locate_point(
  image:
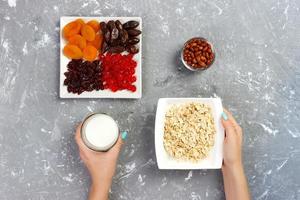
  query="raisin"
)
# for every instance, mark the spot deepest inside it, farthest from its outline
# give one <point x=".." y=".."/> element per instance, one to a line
<point x="81" y="76"/>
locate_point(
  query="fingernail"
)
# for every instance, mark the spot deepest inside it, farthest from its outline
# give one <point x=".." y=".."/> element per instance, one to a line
<point x="224" y="115"/>
<point x="124" y="135"/>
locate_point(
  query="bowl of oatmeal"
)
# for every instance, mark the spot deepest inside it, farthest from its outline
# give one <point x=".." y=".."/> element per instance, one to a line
<point x="189" y="133"/>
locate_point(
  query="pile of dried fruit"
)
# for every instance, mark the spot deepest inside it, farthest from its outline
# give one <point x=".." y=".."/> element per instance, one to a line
<point x="84" y="39"/>
<point x="120" y="37"/>
<point x="83" y="76"/>
<point x="118" y="72"/>
<point x="110" y="70"/>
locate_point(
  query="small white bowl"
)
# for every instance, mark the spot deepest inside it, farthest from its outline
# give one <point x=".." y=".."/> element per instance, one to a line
<point x="213" y="160"/>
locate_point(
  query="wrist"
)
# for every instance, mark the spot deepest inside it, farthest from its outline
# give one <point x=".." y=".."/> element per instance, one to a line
<point x="233" y="171"/>
<point x="101" y="184"/>
<point x="98" y="192"/>
<point x="233" y="167"/>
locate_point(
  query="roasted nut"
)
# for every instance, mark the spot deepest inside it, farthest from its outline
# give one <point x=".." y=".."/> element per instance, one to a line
<point x="198" y="53"/>
<point x="202" y="64"/>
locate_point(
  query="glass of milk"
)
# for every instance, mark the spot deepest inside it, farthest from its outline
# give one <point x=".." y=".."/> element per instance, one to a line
<point x="99" y="132"/>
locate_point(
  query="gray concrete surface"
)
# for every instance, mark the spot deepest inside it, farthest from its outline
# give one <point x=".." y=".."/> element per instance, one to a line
<point x="256" y="73"/>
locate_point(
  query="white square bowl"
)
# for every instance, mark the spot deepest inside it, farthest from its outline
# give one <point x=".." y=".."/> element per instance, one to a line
<point x="63" y="93"/>
<point x="213" y="160"/>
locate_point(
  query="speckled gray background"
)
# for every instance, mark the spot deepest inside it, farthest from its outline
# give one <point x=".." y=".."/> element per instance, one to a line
<point x="256" y="73"/>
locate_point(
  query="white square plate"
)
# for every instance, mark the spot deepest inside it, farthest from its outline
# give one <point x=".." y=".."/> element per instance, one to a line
<point x="63" y="93"/>
<point x="215" y="157"/>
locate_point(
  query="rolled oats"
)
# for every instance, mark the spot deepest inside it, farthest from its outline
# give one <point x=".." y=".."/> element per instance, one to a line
<point x="189" y="131"/>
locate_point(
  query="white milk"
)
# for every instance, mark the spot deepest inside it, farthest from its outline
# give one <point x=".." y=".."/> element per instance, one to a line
<point x="99" y="132"/>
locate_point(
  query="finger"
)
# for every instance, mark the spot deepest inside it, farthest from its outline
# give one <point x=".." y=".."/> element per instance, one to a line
<point x="78" y="139"/>
<point x="119" y="143"/>
<point x="77" y="133"/>
<point x="234" y="123"/>
<point x="82" y="155"/>
<point x="115" y="150"/>
<point x="229" y="128"/>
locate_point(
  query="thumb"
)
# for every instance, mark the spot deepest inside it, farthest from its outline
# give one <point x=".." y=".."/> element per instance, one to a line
<point x="119" y="143"/>
<point x="117" y="147"/>
<point x="228" y="126"/>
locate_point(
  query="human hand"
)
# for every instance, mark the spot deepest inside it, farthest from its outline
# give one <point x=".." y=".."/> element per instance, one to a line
<point x="232" y="142"/>
<point x="235" y="181"/>
<point x="101" y="165"/>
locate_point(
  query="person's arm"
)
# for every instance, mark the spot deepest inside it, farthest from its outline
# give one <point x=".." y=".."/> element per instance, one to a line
<point x="235" y="182"/>
<point x="101" y="166"/>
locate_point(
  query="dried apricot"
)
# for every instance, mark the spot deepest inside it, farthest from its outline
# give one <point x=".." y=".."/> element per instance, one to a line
<point x="72" y="51"/>
<point x="71" y="29"/>
<point x="88" y="32"/>
<point x="78" y="40"/>
<point x="80" y="21"/>
<point x="89" y="53"/>
<point x="97" y="42"/>
<point x="94" y="24"/>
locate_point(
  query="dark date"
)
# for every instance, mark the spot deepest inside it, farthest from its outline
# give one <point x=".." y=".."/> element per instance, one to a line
<point x="123" y="36"/>
<point x="131" y="24"/>
<point x="116" y="49"/>
<point x="103" y="27"/>
<point x="118" y="25"/>
<point x="107" y="36"/>
<point x="134" y="32"/>
<point x="132" y="49"/>
<point x="114" y="34"/>
<point x="120" y="37"/>
<point x="111" y="25"/>
<point x="133" y="41"/>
